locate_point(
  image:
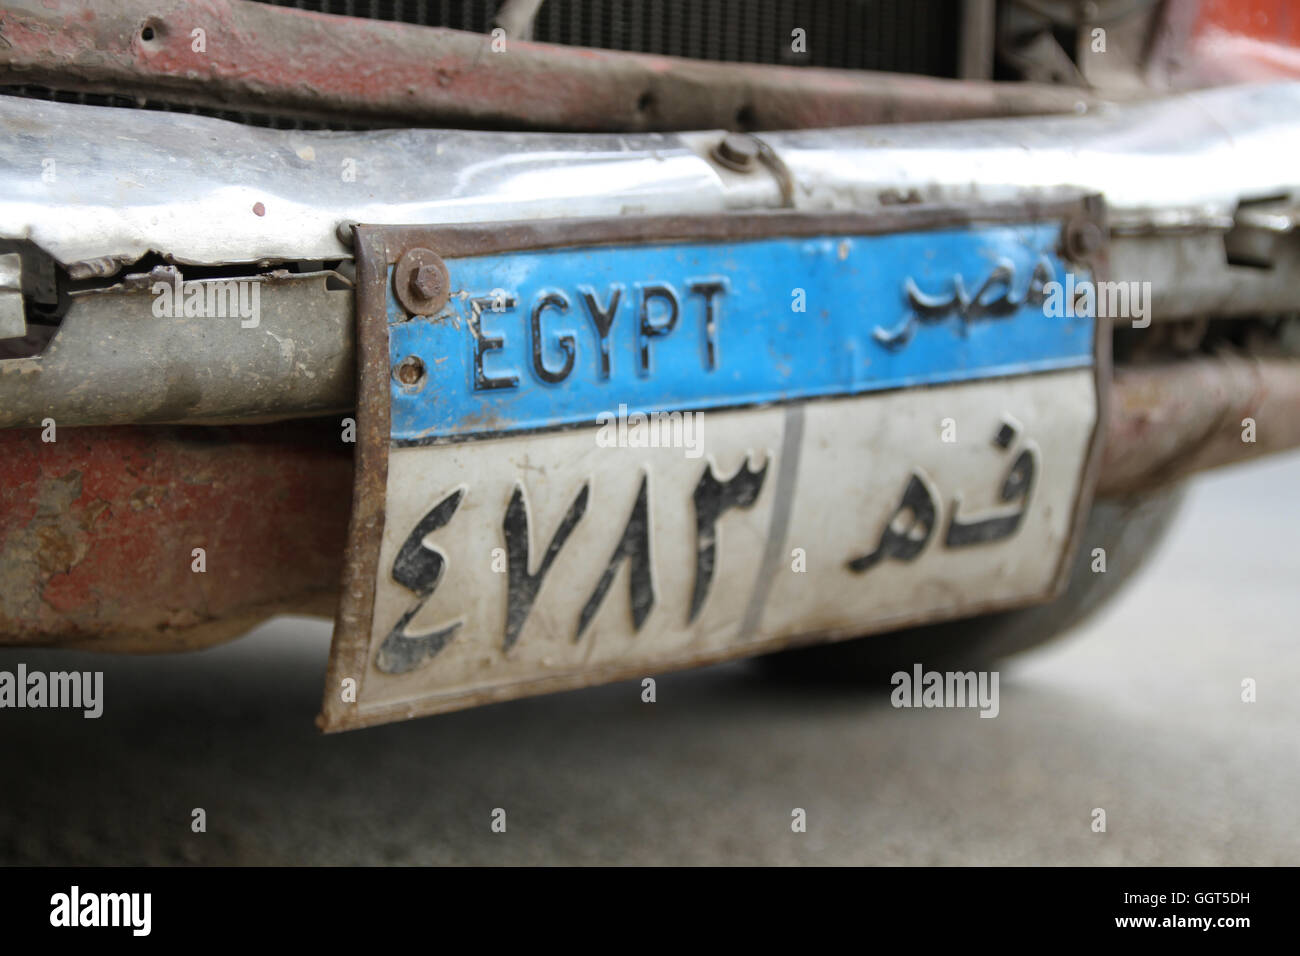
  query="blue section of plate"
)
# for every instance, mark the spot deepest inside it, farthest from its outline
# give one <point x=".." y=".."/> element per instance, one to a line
<point x="547" y="338"/>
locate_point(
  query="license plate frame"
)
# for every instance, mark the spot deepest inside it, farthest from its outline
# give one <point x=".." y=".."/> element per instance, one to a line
<point x="379" y="248"/>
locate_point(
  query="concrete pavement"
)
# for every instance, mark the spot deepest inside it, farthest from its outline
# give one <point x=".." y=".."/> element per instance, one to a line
<point x="1138" y="713"/>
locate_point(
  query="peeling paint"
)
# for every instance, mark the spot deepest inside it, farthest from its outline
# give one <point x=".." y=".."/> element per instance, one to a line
<point x="96" y="532"/>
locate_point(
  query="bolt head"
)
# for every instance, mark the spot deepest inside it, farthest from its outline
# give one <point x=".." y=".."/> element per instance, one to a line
<point x="421" y="282"/>
<point x="426" y="281"/>
<point x="736" y="151"/>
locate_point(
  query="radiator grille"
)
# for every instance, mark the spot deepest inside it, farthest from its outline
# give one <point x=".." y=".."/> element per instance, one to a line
<point x="902" y="36"/>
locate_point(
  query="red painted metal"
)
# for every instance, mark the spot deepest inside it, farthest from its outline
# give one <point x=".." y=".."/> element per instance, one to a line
<point x="254" y="57"/>
<point x="1274" y="21"/>
<point x="1245" y="41"/>
<point x="97" y="531"/>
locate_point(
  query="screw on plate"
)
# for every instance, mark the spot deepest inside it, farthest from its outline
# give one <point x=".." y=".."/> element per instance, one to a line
<point x="1082" y="239"/>
<point x="409" y="371"/>
<point x="736" y="151"/>
<point x="421" y="283"/>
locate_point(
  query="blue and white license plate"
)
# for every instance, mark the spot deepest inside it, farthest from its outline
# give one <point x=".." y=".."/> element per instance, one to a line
<point x="594" y="450"/>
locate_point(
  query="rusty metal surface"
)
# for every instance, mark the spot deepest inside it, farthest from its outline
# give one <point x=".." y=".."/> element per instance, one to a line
<point x="1173" y="419"/>
<point x="333" y="69"/>
<point x="97" y="531"/>
<point x="476" y="239"/>
<point x="366" y="527"/>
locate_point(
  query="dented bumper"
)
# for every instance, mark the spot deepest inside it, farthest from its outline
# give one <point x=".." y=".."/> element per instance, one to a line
<point x="162" y="436"/>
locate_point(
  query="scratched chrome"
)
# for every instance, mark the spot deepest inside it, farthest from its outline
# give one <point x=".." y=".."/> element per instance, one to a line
<point x="98" y="187"/>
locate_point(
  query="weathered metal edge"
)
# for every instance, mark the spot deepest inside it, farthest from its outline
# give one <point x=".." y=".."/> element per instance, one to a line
<point x="428" y="707"/>
<point x="1093" y="211"/>
<point x="1098" y="263"/>
<point x="482" y="239"/>
<point x="336" y="69"/>
<point x="351" y="640"/>
<point x="378" y="247"/>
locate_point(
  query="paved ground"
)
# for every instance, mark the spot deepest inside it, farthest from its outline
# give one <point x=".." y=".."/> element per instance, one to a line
<point x="1139" y="713"/>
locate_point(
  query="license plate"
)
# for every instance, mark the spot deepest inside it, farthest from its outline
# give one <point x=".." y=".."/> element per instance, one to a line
<point x="593" y="450"/>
